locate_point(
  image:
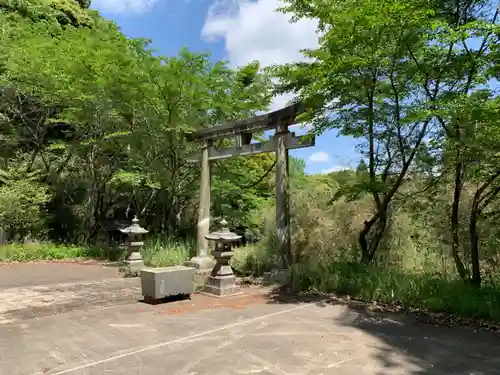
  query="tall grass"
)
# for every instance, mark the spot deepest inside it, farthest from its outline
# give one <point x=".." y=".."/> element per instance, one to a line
<point x="165" y="252"/>
<point x="427" y="291"/>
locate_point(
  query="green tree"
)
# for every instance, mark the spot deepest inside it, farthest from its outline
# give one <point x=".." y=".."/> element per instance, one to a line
<point x="188" y="92"/>
<point x="360" y="80"/>
<point x="361" y="168"/>
<point x="104" y="121"/>
<point x="411" y="79"/>
<point x="453" y="69"/>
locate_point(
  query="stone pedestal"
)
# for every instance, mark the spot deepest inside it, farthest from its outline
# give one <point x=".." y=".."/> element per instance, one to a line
<point x="222" y="286"/>
<point x="280" y="274"/>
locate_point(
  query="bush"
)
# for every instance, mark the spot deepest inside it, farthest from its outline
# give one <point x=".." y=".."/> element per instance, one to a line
<point x="21" y="208"/>
<point x="252" y="260"/>
<point x="320" y="228"/>
<point x="161" y="252"/>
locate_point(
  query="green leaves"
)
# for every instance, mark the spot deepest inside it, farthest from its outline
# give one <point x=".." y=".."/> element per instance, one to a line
<point x="241" y="186"/>
<point x="62" y="12"/>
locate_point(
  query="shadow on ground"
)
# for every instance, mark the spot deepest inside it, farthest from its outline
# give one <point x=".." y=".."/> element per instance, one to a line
<point x="429" y="348"/>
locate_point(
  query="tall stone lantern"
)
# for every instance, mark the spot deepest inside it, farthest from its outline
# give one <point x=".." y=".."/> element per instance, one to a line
<point x="222" y="281"/>
<point x="135" y="234"/>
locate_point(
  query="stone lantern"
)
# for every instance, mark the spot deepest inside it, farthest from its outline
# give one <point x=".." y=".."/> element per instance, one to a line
<point x="135" y="233"/>
<point x="222" y="281"/>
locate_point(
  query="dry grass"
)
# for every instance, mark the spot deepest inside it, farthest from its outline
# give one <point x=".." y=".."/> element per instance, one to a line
<point x="413" y="268"/>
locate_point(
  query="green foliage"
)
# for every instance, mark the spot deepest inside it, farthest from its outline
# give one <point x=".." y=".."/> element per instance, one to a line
<point x="22" y="208"/>
<point x="453" y="73"/>
<point x="297" y="172"/>
<point x="241" y="186"/>
<point x="413" y="268"/>
<point x="85" y="4"/>
<point x="319" y="228"/>
<point x="48" y="251"/>
<point x="412" y="82"/>
<point x="252" y="260"/>
<point x="63" y="12"/>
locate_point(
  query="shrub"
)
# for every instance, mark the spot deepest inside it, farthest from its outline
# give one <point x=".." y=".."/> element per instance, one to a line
<point x="252" y="260"/>
<point x="320" y="228"/>
<point x="21" y="208"/>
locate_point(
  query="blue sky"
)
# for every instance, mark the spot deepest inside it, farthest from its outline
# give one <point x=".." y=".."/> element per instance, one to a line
<point x="238" y="31"/>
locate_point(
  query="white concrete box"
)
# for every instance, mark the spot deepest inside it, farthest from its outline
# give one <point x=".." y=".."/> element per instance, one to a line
<point x="157" y="283"/>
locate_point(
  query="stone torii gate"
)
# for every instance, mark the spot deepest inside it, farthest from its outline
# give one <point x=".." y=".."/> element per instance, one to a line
<point x="242" y="131"/>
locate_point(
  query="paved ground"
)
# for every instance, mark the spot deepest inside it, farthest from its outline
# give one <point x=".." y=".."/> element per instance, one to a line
<point x="29" y="274"/>
<point x="249" y="334"/>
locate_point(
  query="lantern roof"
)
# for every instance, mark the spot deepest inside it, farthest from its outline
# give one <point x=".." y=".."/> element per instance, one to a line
<point x="223" y="234"/>
<point x="135" y="228"/>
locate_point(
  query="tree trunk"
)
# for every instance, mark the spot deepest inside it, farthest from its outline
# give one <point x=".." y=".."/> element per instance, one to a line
<point x="474" y="249"/>
<point x="378" y="235"/>
<point x="370" y="243"/>
<point x="454" y="220"/>
<point x="363" y="241"/>
<point x="474" y="240"/>
<point x="479" y="203"/>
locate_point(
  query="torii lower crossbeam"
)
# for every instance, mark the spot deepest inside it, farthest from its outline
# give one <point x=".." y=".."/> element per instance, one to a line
<point x="291" y="142"/>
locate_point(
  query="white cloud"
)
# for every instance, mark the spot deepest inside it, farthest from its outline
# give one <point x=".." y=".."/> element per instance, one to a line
<point x="253" y="30"/>
<point x="319" y="157"/>
<point x="124" y="6"/>
<point x="335" y="168"/>
<point x="300" y="129"/>
<point x="281" y="101"/>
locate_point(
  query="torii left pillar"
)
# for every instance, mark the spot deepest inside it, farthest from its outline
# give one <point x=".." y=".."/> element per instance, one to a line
<point x="203" y="262"/>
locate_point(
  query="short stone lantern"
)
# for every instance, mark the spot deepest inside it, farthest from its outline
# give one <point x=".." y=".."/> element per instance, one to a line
<point x="222" y="281"/>
<point x="134" y="263"/>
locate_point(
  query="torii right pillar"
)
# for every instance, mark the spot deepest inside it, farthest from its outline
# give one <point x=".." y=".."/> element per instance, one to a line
<point x="281" y="273"/>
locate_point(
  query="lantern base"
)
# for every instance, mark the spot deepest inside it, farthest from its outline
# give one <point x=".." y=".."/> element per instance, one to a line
<point x="133" y="265"/>
<point x="221" y="286"/>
